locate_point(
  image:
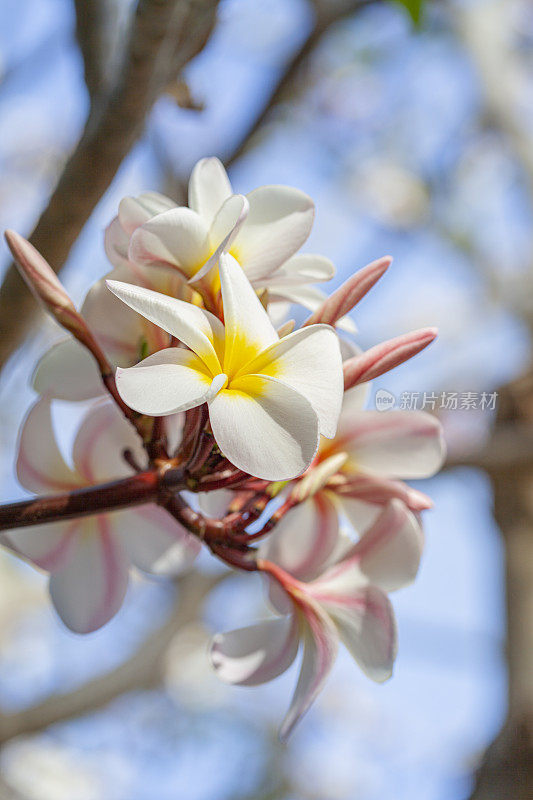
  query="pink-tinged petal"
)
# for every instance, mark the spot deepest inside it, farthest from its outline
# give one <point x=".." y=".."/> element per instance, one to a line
<point x="135" y="211"/>
<point x="396" y="444"/>
<point x="89" y="588"/>
<point x="309" y="297"/>
<point x="389" y="553"/>
<point x="377" y="491"/>
<point x="40" y="465"/>
<point x="68" y="372"/>
<point x="264" y="427"/>
<point x="367" y="627"/>
<point x="248" y="327"/>
<point x="256" y="654"/>
<point x="279" y="222"/>
<point x="320" y="640"/>
<point x="177" y="238"/>
<point x="47" y="546"/>
<point x="386" y="356"/>
<point x="343" y="299"/>
<point x="308" y="360"/>
<point x="116" y="243"/>
<point x="302" y="542"/>
<point x="155" y="541"/>
<point x="102" y="437"/>
<point x="167" y="382"/>
<point x="209" y="187"/>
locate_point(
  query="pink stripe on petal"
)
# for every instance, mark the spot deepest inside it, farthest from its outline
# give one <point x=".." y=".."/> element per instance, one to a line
<point x="320" y="650"/>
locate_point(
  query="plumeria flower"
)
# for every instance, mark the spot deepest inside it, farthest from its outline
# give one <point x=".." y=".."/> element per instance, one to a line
<point x="89" y="558"/>
<point x="344" y="599"/>
<point x="354" y="477"/>
<point x="269" y="398"/>
<point x="67" y="371"/>
<point x="263" y="231"/>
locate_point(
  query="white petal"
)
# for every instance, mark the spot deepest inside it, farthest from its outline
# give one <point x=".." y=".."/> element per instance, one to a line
<point x="47" y="546"/>
<point x="40" y="465"/>
<point x="89" y="588"/>
<point x="198" y="329"/>
<point x="124" y="335"/>
<point x="396" y="444"/>
<point x="68" y="372"/>
<point x="279" y="222"/>
<point x="178" y="237"/>
<point x="365" y="620"/>
<point x="116" y="243"/>
<point x="102" y="437"/>
<point x="166" y="382"/>
<point x="320" y="651"/>
<point x="215" y="504"/>
<point x="257" y="654"/>
<point x="156" y="543"/>
<point x="248" y="326"/>
<point x="309" y="297"/>
<point x="308" y="360"/>
<point x="302" y="542"/>
<point x="265" y="428"/>
<point x="302" y="268"/>
<point x="209" y="187"/>
<point x="389" y="552"/>
<point x="135" y="211"/>
<point x="225" y="227"/>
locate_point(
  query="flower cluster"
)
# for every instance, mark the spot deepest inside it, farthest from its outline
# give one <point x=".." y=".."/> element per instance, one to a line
<point x="195" y="388"/>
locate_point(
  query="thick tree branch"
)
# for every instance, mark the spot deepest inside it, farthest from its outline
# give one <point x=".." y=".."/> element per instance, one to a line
<point x="165" y="34"/>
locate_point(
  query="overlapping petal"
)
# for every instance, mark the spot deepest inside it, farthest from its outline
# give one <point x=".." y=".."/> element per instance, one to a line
<point x="279" y="222"/>
<point x="309" y="361"/>
<point x="88" y="589"/>
<point x="67" y="371"/>
<point x="198" y="329"/>
<point x="166" y="382"/>
<point x="155" y="542"/>
<point x="40" y="465"/>
<point x="178" y="238"/>
<point x="264" y="427"/>
<point x="209" y="187"/>
<point x="256" y="654"/>
<point x="403" y="444"/>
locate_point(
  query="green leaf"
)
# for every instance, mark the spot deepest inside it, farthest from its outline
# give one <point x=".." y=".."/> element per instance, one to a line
<point x="414" y="8"/>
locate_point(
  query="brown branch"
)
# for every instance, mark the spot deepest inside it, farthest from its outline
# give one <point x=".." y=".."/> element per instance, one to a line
<point x="132" y="491"/>
<point x="90" y="24"/>
<point x="327" y="13"/>
<point x="143" y="670"/>
<point x="164" y="36"/>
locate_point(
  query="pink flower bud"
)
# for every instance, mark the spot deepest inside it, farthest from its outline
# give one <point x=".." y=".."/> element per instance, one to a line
<point x="50" y="293"/>
<point x="385" y="356"/>
<point x="350" y="293"/>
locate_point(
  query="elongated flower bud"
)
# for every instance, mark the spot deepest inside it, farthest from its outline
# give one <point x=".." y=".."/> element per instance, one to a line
<point x="50" y="293"/>
<point x="350" y="293"/>
<point x="385" y="356"/>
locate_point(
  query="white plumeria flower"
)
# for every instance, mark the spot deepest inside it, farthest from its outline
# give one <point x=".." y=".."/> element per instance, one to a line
<point x="89" y="558"/>
<point x="263" y="231"/>
<point x="67" y="371"/>
<point x="345" y="600"/>
<point x="269" y="398"/>
<point x="379" y="448"/>
<point x="354" y="477"/>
